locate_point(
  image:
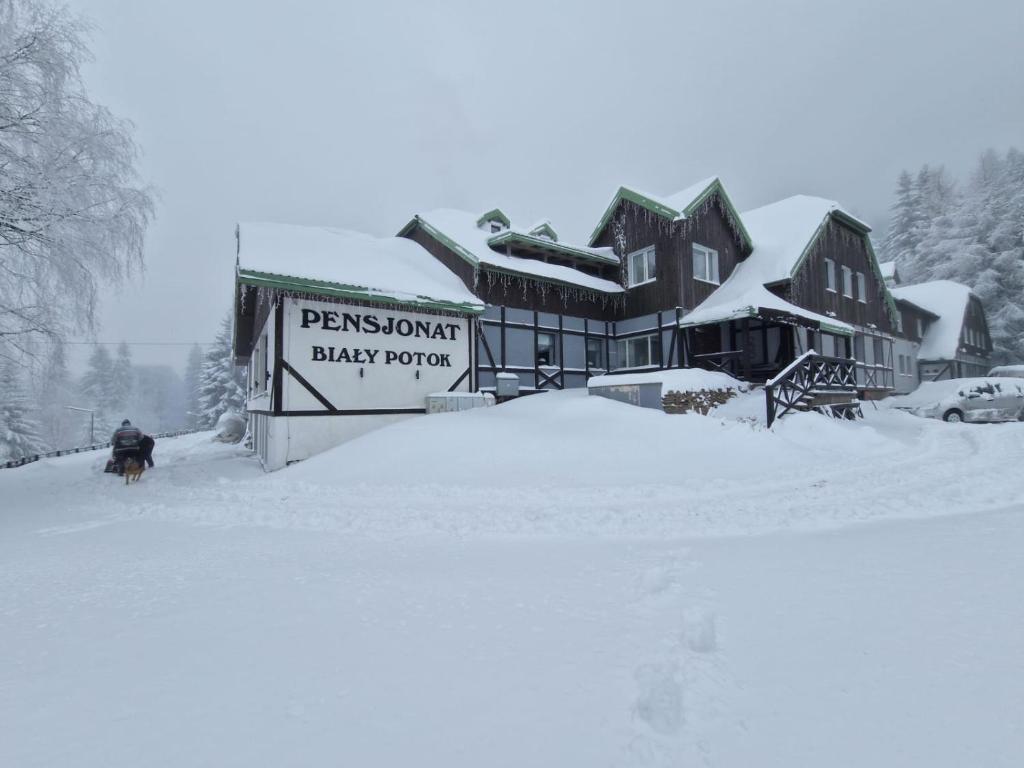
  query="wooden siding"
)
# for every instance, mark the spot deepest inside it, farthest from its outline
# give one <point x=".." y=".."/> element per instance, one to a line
<point x="510" y="291"/>
<point x="909" y="316"/>
<point x="633" y="228"/>
<point x="445" y="255"/>
<point x="848" y="248"/>
<point x="974" y="319"/>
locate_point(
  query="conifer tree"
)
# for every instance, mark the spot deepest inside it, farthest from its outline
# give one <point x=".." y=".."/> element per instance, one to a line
<point x="222" y="383"/>
<point x="193" y="374"/>
<point x="20" y="432"/>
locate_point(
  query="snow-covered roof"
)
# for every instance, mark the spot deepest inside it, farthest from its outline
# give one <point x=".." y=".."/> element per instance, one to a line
<point x="743" y="295"/>
<point x="459" y="231"/>
<point x="948" y="301"/>
<point x="350" y="264"/>
<point x="888" y="270"/>
<point x="671" y="380"/>
<point x="675" y="207"/>
<point x="783" y="231"/>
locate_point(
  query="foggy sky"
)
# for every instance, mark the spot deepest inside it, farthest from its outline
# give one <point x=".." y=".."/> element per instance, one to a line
<point x="360" y="114"/>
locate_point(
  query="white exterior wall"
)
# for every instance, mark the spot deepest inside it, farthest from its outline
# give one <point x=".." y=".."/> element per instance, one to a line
<point x="910" y="379"/>
<point x="366" y="374"/>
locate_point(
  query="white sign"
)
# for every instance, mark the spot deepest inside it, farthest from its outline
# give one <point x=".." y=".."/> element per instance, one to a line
<point x="368" y="357"/>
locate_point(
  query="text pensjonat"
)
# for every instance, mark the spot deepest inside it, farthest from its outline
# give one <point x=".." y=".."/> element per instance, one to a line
<point x="364" y="323"/>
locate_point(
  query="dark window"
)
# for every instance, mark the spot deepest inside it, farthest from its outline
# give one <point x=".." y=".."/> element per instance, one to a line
<point x="595" y="353"/>
<point x="879" y="351"/>
<point x="546" y="349"/>
<point x="858" y="348"/>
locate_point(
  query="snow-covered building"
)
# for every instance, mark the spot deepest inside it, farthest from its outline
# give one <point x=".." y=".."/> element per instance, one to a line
<point x="337" y="324"/>
<point x="945" y="324"/>
<point x="343" y="333"/>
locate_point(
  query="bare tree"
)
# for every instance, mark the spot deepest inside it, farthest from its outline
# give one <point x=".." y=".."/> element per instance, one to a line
<point x="72" y="211"/>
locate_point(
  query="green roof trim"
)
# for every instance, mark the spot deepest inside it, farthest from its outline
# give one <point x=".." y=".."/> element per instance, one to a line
<point x="508" y="237"/>
<point x="495" y="214"/>
<point x="545" y="229"/>
<point x="338" y="290"/>
<point x="660" y="209"/>
<point x="463" y="253"/>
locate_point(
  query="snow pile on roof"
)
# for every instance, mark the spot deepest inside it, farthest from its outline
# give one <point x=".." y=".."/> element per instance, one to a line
<point x="389" y="267"/>
<point x="946" y="299"/>
<point x="680" y="201"/>
<point x="471" y="243"/>
<point x="672" y="380"/>
<point x="781" y="232"/>
<point x="743" y="295"/>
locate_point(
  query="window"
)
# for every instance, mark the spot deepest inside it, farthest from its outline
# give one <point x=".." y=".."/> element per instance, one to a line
<point x="546" y="349"/>
<point x="904" y="364"/>
<point x="879" y="352"/>
<point x="641" y="266"/>
<point x="899" y="322"/>
<point x="705" y="264"/>
<point x="495" y="226"/>
<point x="848" y="282"/>
<point x="920" y="328"/>
<point x="830" y="275"/>
<point x="862" y="293"/>
<point x="858" y="348"/>
<point x="637" y="352"/>
<point x="595" y="353"/>
<point x="261" y="371"/>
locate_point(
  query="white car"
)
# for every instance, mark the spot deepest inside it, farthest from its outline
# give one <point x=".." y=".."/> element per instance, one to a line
<point x="1015" y="371"/>
<point x="970" y="400"/>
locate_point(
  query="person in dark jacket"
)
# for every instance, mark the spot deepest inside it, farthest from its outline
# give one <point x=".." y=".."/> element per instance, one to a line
<point x="126" y="441"/>
<point x="146" y="449"/>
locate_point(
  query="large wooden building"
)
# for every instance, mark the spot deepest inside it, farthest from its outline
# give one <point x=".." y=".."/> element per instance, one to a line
<point x="676" y="281"/>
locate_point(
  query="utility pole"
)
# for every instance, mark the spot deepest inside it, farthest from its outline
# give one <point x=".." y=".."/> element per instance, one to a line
<point x="92" y="421"/>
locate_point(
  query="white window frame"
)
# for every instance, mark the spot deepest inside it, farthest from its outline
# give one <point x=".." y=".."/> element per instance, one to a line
<point x="847" y="282"/>
<point x="623" y="354"/>
<point x="650" y="261"/>
<point x="830" y="276"/>
<point x="862" y="287"/>
<point x="710" y="258"/>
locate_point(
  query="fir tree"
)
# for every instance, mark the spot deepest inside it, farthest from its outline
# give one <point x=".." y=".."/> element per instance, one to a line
<point x="20" y="432"/>
<point x="193" y="374"/>
<point x="100" y="391"/>
<point x="55" y="391"/>
<point x="222" y="383"/>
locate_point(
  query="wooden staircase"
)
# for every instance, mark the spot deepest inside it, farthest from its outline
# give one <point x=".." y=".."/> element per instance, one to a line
<point x="814" y="382"/>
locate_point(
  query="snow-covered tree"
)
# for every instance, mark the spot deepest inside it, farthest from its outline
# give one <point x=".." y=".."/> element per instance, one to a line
<point x="193" y="374"/>
<point x="222" y="383"/>
<point x="974" y="235"/>
<point x="72" y="214"/>
<point x="54" y="391"/>
<point x="20" y="432"/>
<point x="99" y="389"/>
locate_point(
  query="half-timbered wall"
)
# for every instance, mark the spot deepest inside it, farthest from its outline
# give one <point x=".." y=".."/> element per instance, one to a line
<point x="975" y="336"/>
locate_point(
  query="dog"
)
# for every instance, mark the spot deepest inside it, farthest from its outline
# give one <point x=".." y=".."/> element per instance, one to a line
<point x="133" y="469"/>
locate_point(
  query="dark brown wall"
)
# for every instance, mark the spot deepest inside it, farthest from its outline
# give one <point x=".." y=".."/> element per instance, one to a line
<point x="445" y="255"/>
<point x="975" y="319"/>
<point x="845" y="247"/>
<point x="492" y="288"/>
<point x="910" y="316"/>
<point x="634" y="227"/>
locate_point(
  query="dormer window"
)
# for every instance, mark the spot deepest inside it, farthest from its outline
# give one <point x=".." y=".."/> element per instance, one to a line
<point x="494" y="221"/>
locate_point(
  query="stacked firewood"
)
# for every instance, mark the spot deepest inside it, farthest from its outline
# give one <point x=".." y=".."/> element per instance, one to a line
<point x="701" y="401"/>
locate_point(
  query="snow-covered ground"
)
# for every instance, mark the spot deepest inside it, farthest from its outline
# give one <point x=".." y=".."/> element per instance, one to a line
<point x="560" y="581"/>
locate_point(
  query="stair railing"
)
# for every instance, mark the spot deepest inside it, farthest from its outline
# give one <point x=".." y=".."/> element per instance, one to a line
<point x="807" y="376"/>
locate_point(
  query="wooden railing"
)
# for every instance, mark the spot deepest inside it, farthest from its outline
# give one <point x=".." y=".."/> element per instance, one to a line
<point x="726" y="362"/>
<point x="811" y="374"/>
<point x="84" y="449"/>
